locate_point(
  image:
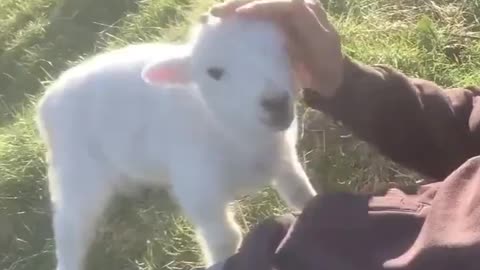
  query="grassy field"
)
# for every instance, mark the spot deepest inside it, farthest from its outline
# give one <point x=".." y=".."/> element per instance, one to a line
<point x="437" y="40"/>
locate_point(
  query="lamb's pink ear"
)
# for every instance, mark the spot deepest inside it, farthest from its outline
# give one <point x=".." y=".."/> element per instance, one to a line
<point x="167" y="71"/>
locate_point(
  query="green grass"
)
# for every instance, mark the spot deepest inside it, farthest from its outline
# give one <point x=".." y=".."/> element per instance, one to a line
<point x="437" y="40"/>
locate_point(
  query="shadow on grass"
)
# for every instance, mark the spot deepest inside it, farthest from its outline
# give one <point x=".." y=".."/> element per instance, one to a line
<point x="42" y="48"/>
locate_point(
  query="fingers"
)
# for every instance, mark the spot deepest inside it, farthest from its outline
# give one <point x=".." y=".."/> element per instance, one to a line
<point x="266" y="9"/>
<point x="304" y="13"/>
<point x="272" y="9"/>
<point x="227" y="8"/>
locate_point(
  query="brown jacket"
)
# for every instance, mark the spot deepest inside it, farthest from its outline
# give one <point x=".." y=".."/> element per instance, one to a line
<point x="419" y="125"/>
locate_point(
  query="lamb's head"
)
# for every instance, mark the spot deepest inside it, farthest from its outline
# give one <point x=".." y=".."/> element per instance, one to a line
<point x="241" y="68"/>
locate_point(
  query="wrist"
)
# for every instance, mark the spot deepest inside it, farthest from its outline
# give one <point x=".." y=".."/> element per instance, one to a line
<point x="331" y="80"/>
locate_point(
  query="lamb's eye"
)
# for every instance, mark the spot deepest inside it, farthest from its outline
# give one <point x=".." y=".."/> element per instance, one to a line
<point x="215" y="72"/>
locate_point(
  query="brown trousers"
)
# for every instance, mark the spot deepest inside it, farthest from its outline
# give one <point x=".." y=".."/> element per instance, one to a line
<point x="437" y="228"/>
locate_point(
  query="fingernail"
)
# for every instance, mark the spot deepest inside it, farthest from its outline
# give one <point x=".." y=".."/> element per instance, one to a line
<point x="244" y="9"/>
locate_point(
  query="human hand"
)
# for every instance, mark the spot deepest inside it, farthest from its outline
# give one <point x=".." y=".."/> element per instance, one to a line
<point x="314" y="44"/>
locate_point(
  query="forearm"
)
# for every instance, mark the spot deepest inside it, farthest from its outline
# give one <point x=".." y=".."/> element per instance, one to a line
<point x="413" y="122"/>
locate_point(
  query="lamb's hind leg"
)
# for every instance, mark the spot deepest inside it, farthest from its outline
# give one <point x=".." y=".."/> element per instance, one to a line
<point x="79" y="197"/>
<point x="206" y="207"/>
<point x="293" y="185"/>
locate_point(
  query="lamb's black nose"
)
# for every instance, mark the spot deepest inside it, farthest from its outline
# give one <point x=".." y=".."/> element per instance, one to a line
<point x="276" y="104"/>
<point x="280" y="111"/>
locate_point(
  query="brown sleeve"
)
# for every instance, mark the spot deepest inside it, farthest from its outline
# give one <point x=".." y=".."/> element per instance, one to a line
<point x="414" y="122"/>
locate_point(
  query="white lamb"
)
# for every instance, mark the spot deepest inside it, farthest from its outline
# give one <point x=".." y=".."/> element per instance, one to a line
<point x="209" y="120"/>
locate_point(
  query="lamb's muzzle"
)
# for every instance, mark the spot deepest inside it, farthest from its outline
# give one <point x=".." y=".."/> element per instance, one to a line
<point x="280" y="111"/>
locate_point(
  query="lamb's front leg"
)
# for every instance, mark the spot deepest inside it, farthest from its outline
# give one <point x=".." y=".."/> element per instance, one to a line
<point x="205" y="204"/>
<point x="293" y="185"/>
